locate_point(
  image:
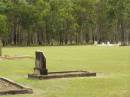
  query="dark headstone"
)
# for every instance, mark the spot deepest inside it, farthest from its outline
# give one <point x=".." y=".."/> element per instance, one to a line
<point x="40" y="64"/>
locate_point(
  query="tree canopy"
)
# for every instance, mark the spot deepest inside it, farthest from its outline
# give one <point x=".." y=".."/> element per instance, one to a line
<point x="64" y="22"/>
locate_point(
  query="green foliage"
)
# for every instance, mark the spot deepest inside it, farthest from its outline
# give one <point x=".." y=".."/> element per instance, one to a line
<point x="3" y="25"/>
<point x="3" y="30"/>
<point x="59" y="22"/>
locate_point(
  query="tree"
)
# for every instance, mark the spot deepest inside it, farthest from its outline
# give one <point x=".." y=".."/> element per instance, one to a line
<point x="85" y="17"/>
<point x="119" y="9"/>
<point x="3" y="30"/>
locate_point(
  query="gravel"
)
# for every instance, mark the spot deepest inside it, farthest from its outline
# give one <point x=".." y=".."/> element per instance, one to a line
<point x="5" y="86"/>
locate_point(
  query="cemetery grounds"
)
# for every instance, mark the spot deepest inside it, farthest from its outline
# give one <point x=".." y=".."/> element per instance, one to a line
<point x="112" y="65"/>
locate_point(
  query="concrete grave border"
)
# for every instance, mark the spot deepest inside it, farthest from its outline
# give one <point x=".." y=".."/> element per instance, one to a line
<point x="21" y="90"/>
<point x="64" y="74"/>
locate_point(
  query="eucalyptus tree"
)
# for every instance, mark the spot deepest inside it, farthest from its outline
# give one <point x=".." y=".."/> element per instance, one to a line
<point x="85" y="16"/>
<point x="21" y="17"/>
<point x="3" y="30"/>
<point x="42" y="12"/>
<point x="120" y="10"/>
<point x="123" y="16"/>
<point x="60" y="20"/>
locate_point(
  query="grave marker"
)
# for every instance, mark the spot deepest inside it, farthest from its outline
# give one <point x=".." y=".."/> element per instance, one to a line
<point x="40" y="64"/>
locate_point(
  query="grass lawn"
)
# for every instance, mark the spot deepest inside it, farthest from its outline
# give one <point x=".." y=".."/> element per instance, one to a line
<point x="112" y="65"/>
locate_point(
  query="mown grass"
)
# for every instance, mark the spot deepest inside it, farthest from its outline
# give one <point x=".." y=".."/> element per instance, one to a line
<point x="112" y="65"/>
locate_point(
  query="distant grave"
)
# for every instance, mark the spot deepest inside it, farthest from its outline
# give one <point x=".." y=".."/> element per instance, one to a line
<point x="10" y="87"/>
<point x="41" y="72"/>
<point x="95" y="43"/>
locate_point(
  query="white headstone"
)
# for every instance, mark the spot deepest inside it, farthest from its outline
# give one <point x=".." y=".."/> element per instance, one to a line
<point x="119" y="43"/>
<point x="95" y="42"/>
<point x="103" y="44"/>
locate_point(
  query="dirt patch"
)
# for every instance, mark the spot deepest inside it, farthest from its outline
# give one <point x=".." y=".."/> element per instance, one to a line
<point x="9" y="87"/>
<point x="7" y="57"/>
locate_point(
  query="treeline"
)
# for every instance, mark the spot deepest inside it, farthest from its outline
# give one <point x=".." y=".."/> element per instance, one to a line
<point x="64" y="22"/>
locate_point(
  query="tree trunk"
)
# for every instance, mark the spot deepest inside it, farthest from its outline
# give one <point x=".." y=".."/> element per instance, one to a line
<point x="123" y="34"/>
<point x="0" y="47"/>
